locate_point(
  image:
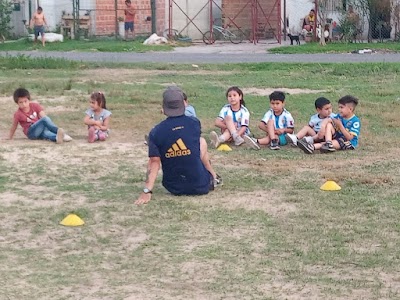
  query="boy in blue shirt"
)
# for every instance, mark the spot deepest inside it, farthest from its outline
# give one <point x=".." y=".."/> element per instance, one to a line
<point x="341" y="132"/>
<point x="189" y="109"/>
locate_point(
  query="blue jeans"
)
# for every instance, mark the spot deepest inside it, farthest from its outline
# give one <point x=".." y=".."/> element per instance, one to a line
<point x="44" y="129"/>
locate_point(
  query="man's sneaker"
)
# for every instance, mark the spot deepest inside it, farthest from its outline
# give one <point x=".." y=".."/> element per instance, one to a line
<point x="60" y="136"/>
<point x="215" y="141"/>
<point x="218" y="181"/>
<point x="92" y="135"/>
<point x="274" y="145"/>
<point x="67" y="138"/>
<point x="306" y="147"/>
<point x="251" y="142"/>
<point x="327" y="147"/>
<point x="291" y="139"/>
<point x="239" y="140"/>
<point x="146" y="139"/>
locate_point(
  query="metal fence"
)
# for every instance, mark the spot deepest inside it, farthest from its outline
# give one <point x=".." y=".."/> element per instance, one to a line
<point x="91" y="19"/>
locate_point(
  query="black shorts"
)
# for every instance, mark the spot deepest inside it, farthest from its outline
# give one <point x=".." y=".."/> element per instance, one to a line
<point x="344" y="145"/>
<point x="129" y="26"/>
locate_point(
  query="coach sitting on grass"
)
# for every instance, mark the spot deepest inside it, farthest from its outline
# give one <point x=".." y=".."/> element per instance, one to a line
<point x="175" y="143"/>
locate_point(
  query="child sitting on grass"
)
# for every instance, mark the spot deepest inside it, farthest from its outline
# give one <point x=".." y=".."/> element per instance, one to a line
<point x="312" y="132"/>
<point x="233" y="120"/>
<point x="33" y="120"/>
<point x="97" y="118"/>
<point x="276" y="122"/>
<point x="189" y="109"/>
<point x="341" y="132"/>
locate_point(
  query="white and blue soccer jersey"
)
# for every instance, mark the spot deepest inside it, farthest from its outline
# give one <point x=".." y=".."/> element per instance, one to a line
<point x="284" y="120"/>
<point x="352" y="125"/>
<point x="240" y="118"/>
<point x="316" y="121"/>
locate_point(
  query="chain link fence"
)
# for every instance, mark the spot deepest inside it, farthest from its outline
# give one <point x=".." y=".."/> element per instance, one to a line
<point x="363" y="20"/>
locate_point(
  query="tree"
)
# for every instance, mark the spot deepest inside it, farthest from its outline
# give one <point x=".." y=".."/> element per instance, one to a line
<point x="322" y="17"/>
<point x="5" y="18"/>
<point x="322" y="14"/>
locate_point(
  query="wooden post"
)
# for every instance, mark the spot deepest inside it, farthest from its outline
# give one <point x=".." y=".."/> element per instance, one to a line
<point x="116" y="18"/>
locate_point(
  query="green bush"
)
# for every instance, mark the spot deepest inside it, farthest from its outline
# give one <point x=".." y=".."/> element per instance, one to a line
<point x="5" y="18"/>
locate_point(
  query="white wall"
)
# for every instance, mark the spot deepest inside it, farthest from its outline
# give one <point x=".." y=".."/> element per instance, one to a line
<point x="296" y="10"/>
<point x="53" y="9"/>
<point x="190" y="8"/>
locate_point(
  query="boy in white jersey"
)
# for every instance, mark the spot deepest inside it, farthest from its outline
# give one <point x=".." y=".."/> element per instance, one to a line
<point x="341" y="132"/>
<point x="312" y="132"/>
<point x="276" y="122"/>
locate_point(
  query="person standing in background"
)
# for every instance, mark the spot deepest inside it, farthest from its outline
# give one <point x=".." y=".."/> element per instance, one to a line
<point x="130" y="13"/>
<point x="37" y="23"/>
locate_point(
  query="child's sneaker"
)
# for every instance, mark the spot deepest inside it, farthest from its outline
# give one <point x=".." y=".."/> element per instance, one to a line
<point x="327" y="147"/>
<point x="60" y="136"/>
<point x="215" y="141"/>
<point x="92" y="135"/>
<point x="306" y="147"/>
<point x="291" y="139"/>
<point x="102" y="136"/>
<point x="251" y="142"/>
<point x="274" y="145"/>
<point x="67" y="138"/>
<point x="309" y="139"/>
<point x="218" y="181"/>
<point x="239" y="140"/>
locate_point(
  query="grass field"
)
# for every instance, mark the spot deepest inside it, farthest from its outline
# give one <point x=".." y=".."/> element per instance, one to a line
<point x="268" y="233"/>
<point x="96" y="45"/>
<point x="113" y="45"/>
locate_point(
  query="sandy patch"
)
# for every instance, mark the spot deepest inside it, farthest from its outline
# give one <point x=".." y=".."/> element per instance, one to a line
<point x="268" y="91"/>
<point x="270" y="201"/>
<point x="115" y="75"/>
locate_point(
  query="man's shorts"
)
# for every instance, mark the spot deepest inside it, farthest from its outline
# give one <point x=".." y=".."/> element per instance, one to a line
<point x="129" y="26"/>
<point x="38" y="29"/>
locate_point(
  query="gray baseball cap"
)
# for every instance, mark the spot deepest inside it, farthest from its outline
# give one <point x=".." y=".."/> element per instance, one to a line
<point x="173" y="104"/>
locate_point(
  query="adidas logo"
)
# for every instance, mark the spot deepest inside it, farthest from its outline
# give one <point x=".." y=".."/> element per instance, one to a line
<point x="178" y="149"/>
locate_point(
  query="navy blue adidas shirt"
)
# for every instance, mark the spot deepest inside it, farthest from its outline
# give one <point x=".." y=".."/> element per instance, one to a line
<point x="176" y="140"/>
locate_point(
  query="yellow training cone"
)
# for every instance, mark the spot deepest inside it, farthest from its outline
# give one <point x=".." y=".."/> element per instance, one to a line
<point x="224" y="147"/>
<point x="330" y="185"/>
<point x="72" y="220"/>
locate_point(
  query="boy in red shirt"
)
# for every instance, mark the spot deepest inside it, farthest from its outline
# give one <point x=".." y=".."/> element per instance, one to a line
<point x="130" y="13"/>
<point x="33" y="120"/>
